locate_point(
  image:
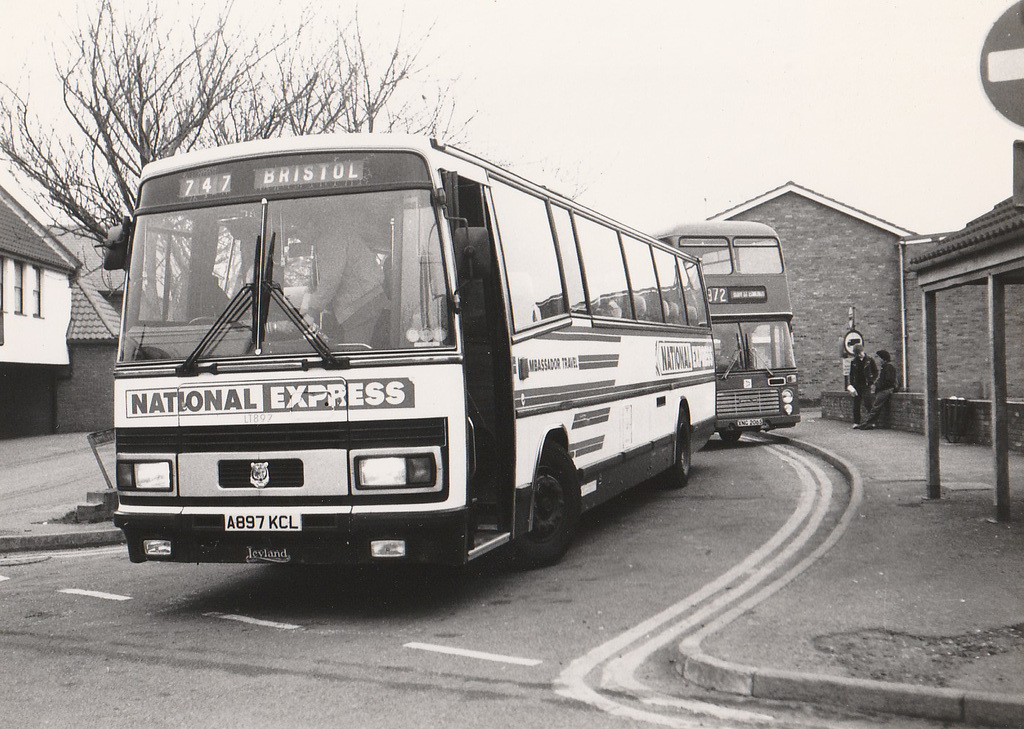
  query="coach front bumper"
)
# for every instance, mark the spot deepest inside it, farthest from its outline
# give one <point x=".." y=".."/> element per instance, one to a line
<point x="431" y="538"/>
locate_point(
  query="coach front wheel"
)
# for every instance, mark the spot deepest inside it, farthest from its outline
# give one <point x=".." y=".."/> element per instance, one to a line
<point x="679" y="474"/>
<point x="556" y="510"/>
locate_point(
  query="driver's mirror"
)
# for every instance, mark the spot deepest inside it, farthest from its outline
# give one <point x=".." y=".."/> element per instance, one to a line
<point x="472" y="252"/>
<point x="115" y="247"/>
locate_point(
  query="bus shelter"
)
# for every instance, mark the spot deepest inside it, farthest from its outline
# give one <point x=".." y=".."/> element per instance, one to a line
<point x="988" y="252"/>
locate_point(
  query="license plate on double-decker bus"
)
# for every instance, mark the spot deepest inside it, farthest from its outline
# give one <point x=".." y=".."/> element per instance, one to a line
<point x="263" y="521"/>
<point x="747" y="422"/>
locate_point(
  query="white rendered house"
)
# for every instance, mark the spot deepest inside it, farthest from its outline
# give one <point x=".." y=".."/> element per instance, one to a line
<point x="35" y="313"/>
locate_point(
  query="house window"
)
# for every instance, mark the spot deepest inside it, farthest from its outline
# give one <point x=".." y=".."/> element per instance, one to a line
<point x="37" y="293"/>
<point x="19" y="287"/>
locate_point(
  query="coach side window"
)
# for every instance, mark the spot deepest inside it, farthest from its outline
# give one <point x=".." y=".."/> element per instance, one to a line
<point x="570" y="259"/>
<point x="670" y="285"/>
<point x="528" y="248"/>
<point x="693" y="292"/>
<point x="603" y="268"/>
<point x="642" y="281"/>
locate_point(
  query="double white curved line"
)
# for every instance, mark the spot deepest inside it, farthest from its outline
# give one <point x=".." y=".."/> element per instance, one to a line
<point x="713" y="606"/>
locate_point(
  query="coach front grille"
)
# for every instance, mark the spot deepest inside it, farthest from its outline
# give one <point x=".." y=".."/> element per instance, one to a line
<point x="281" y="473"/>
<point x="286" y="437"/>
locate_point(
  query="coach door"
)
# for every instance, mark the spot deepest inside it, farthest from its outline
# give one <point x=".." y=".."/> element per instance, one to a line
<point x="487" y="359"/>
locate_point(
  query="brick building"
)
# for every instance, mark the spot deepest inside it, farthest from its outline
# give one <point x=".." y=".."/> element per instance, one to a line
<point x="837" y="257"/>
<point x="85" y="394"/>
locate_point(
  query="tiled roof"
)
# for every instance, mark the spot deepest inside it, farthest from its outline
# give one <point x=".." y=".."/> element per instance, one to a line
<point x="792" y="187"/>
<point x="998" y="225"/>
<point x="93" y="318"/>
<point x="22" y="237"/>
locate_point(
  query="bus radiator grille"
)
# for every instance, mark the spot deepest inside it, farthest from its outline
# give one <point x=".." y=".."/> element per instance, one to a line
<point x="745" y="403"/>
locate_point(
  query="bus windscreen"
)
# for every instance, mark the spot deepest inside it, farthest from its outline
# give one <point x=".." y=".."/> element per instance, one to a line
<point x="744" y="346"/>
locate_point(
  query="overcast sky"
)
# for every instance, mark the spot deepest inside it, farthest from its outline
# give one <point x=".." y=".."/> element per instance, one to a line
<point x="665" y="111"/>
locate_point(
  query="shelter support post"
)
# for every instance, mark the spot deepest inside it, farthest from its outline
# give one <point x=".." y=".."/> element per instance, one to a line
<point x="1000" y="427"/>
<point x="931" y="395"/>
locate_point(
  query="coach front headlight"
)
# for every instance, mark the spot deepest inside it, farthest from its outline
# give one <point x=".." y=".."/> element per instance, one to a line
<point x="144" y="475"/>
<point x="395" y="472"/>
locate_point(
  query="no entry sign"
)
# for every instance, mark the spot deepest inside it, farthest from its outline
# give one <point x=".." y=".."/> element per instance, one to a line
<point x="1002" y="64"/>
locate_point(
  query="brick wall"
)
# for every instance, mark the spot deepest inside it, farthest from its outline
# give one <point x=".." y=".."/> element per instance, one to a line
<point x="964" y="365"/>
<point x="85" y="399"/>
<point x="906" y="412"/>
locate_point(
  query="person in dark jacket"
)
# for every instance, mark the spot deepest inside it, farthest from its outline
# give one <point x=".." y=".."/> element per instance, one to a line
<point x="886" y="384"/>
<point x="863" y="373"/>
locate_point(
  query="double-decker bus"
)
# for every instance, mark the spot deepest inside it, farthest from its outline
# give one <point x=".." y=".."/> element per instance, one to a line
<point x="752" y="318"/>
<point x="359" y="348"/>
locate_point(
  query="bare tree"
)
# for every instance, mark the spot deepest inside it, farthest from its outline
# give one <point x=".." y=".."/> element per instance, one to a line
<point x="137" y="90"/>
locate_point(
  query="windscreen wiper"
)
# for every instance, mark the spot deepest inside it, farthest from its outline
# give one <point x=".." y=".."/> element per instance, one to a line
<point x="235" y="308"/>
<point x="272" y="291"/>
<point x="735" y="361"/>
<point x="258" y="294"/>
<point x="240" y="302"/>
<point x="755" y="356"/>
<point x="735" y="357"/>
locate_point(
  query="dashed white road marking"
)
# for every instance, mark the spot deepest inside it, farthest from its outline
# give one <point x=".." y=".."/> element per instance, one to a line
<point x="2" y="578"/>
<point x="474" y="654"/>
<point x="93" y="593"/>
<point x="253" y="621"/>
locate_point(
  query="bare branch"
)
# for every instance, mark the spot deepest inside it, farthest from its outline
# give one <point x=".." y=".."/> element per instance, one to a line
<point x="136" y="89"/>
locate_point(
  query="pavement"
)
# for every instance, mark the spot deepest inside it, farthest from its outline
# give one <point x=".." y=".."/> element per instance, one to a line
<point x="43" y="482"/>
<point x="917" y="609"/>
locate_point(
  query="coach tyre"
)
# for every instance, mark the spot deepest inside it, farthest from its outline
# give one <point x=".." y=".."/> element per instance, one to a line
<point x="679" y="474"/>
<point x="556" y="509"/>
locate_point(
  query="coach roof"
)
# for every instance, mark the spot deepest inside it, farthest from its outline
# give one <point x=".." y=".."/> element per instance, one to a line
<point x="286" y="145"/>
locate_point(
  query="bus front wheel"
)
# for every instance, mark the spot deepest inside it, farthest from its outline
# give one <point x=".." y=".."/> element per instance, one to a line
<point x="556" y="510"/>
<point x="730" y="437"/>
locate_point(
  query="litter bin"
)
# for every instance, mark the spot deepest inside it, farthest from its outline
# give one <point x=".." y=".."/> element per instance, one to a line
<point x="955" y="411"/>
